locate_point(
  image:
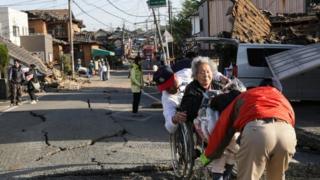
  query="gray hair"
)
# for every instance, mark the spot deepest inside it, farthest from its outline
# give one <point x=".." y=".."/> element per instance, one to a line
<point x="197" y="61"/>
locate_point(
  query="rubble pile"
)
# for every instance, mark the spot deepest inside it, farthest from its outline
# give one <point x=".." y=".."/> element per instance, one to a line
<point x="254" y="25"/>
<point x="250" y="24"/>
<point x="56" y="80"/>
<point x="295" y="29"/>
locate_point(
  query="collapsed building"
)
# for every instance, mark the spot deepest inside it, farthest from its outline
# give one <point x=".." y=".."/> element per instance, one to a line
<point x="254" y="25"/>
<point x="259" y="21"/>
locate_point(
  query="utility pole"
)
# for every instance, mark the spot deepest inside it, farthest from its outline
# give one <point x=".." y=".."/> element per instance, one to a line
<point x="123" y="50"/>
<point x="71" y="38"/>
<point x="146" y="25"/>
<point x="160" y="37"/>
<point x="170" y="24"/>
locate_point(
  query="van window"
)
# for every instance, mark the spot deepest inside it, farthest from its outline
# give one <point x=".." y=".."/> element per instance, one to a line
<point x="257" y="56"/>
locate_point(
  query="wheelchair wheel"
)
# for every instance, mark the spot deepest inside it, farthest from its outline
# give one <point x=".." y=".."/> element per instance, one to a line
<point x="182" y="145"/>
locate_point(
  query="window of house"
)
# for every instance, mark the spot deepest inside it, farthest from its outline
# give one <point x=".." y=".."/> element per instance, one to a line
<point x="257" y="56"/>
<point x="16" y="31"/>
<point x="201" y="25"/>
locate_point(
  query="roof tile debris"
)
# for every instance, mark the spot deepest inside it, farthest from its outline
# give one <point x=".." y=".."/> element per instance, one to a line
<point x="295" y="29"/>
<point x="250" y="24"/>
<point x="254" y="25"/>
<point x="23" y="55"/>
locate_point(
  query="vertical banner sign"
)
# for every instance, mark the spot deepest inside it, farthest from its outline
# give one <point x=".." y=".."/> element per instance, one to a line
<point x="157" y="3"/>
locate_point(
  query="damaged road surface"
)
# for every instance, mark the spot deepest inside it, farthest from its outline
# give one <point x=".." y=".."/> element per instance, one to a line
<point x="76" y="132"/>
<point x="91" y="134"/>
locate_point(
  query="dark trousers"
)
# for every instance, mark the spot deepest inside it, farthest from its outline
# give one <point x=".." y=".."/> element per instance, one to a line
<point x="15" y="91"/>
<point x="136" y="101"/>
<point x="31" y="91"/>
<point x="32" y="94"/>
<point x="104" y="76"/>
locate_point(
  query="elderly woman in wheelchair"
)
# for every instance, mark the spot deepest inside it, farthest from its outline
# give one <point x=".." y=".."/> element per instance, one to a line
<point x="191" y="137"/>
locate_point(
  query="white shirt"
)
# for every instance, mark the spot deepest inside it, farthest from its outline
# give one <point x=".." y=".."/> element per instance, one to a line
<point x="170" y="102"/>
<point x="104" y="68"/>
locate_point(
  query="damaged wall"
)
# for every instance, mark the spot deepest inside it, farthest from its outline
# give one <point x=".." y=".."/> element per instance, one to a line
<point x="295" y="29"/>
<point x="250" y="25"/>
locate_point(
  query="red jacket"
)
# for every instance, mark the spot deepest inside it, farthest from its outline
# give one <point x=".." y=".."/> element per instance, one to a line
<point x="256" y="103"/>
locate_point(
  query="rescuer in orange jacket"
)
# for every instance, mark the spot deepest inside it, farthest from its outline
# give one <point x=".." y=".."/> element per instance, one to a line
<point x="266" y="121"/>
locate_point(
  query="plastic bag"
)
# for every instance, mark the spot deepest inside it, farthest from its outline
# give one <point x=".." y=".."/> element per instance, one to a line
<point x="205" y="122"/>
<point x="36" y="85"/>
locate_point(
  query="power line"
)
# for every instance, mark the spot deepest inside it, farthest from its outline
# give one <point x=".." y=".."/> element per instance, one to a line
<point x="124" y="11"/>
<point x="91" y="16"/>
<point x="107" y="12"/>
<point x="90" y="9"/>
<point x="26" y="3"/>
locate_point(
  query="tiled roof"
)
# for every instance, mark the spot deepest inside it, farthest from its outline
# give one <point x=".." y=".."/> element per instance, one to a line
<point x="52" y="15"/>
<point x="23" y="55"/>
<point x="250" y="24"/>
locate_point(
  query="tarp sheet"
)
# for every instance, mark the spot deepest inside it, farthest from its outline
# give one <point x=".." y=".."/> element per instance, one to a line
<point x="101" y="52"/>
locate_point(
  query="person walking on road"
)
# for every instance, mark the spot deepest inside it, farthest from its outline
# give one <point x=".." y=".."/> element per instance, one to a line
<point x="136" y="77"/>
<point x="16" y="78"/>
<point x="266" y="120"/>
<point x="90" y="69"/>
<point x="33" y="82"/>
<point x="104" y="71"/>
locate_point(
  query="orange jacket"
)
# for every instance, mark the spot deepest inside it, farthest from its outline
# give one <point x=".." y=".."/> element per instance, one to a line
<point x="257" y="103"/>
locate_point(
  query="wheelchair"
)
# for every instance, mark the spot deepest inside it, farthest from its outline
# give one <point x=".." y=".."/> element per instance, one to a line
<point x="187" y="143"/>
<point x="182" y="151"/>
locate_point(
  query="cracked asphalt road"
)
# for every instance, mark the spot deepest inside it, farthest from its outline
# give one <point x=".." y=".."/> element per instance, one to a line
<point x="87" y="130"/>
<point x="90" y="134"/>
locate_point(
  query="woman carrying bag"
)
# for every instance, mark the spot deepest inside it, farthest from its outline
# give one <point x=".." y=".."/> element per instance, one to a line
<point x="33" y="84"/>
<point x="136" y="77"/>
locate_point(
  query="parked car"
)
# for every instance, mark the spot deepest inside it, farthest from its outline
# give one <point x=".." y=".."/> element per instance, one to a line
<point x="251" y="66"/>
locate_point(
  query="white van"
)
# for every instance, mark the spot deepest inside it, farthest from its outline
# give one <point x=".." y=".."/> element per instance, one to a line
<point x="252" y="66"/>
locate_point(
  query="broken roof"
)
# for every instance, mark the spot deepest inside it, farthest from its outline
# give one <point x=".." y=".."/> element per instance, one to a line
<point x="53" y="15"/>
<point x="295" y="28"/>
<point x="250" y="24"/>
<point x="23" y="55"/>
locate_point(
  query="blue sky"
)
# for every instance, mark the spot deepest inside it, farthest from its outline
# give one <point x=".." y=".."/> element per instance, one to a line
<point x="96" y="14"/>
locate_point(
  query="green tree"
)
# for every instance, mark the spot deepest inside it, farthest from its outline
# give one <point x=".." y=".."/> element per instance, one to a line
<point x="4" y="60"/>
<point x="189" y="7"/>
<point x="181" y="25"/>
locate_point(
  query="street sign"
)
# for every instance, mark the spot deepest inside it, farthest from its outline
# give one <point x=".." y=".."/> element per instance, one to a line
<point x="157" y="3"/>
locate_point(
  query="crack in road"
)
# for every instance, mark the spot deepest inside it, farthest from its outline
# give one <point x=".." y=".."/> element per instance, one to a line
<point x="120" y="133"/>
<point x="62" y="149"/>
<point x="122" y="126"/>
<point x="41" y="116"/>
<point x="89" y="104"/>
<point x="100" y="164"/>
<point x="46" y="138"/>
<point x="58" y="149"/>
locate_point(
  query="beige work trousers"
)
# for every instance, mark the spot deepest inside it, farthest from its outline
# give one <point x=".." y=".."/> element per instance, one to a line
<point x="266" y="145"/>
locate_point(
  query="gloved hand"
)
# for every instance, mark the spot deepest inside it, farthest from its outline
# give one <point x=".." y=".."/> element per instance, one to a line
<point x="204" y="160"/>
